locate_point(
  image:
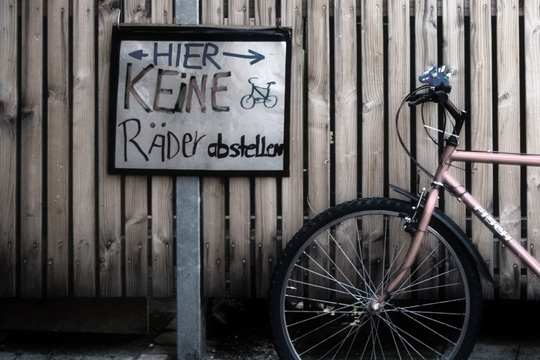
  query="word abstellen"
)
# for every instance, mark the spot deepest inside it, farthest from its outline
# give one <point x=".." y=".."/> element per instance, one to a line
<point x="259" y="148"/>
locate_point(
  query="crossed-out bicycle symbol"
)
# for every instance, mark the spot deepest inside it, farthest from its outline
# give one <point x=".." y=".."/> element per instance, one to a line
<point x="259" y="94"/>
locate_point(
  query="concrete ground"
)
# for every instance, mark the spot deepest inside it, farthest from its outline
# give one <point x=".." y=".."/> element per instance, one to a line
<point x="508" y="333"/>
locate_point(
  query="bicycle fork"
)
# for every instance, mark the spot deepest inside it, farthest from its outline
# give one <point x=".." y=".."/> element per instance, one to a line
<point x="426" y="211"/>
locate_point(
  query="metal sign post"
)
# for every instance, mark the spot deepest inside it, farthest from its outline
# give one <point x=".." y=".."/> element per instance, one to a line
<point x="190" y="306"/>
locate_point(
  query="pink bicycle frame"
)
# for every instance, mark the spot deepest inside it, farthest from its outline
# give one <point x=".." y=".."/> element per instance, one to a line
<point x="443" y="178"/>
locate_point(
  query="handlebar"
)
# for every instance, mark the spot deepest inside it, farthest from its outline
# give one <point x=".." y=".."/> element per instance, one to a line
<point x="437" y="82"/>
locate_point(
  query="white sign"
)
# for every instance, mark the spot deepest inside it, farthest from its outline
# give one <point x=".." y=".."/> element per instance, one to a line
<point x="200" y="100"/>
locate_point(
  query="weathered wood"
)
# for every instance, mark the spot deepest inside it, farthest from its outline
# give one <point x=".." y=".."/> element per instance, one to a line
<point x="239" y="196"/>
<point x="318" y="107"/>
<point x="84" y="152"/>
<point x="135" y="11"/>
<point x="212" y="12"/>
<point x="265" y="12"/>
<point x="238" y="12"/>
<point x="58" y="166"/>
<point x="32" y="151"/>
<point x="346" y="131"/>
<point x="213" y="199"/>
<point x="482" y="124"/>
<point x="136" y="198"/>
<point x="213" y="215"/>
<point x="346" y="101"/>
<point x="8" y="146"/>
<point x="372" y="53"/>
<point x="454" y="58"/>
<point x="265" y="194"/>
<point x="109" y="186"/>
<point x="162" y="200"/>
<point x="69" y="141"/>
<point x="399" y="70"/>
<point x="426" y="47"/>
<point x="162" y="12"/>
<point x="162" y="236"/>
<point x="292" y="187"/>
<point x="508" y="94"/>
<point x="532" y="113"/>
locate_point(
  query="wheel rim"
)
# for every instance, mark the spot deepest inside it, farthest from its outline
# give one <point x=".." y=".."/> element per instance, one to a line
<point x="328" y="296"/>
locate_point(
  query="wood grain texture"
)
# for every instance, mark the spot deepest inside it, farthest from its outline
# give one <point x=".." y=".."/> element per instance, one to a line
<point x="372" y="52"/>
<point x="346" y="101"/>
<point x="31" y="217"/>
<point x="84" y="151"/>
<point x="8" y="146"/>
<point x="482" y="123"/>
<point x="162" y="200"/>
<point x="509" y="125"/>
<point x="454" y="58"/>
<point x="318" y="107"/>
<point x="109" y="186"/>
<point x="292" y="187"/>
<point x="58" y="163"/>
<point x="213" y="199"/>
<point x="399" y="75"/>
<point x="426" y="49"/>
<point x="265" y="189"/>
<point x="532" y="70"/>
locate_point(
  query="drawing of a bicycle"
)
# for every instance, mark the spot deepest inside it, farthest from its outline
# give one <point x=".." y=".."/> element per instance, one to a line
<point x="259" y="94"/>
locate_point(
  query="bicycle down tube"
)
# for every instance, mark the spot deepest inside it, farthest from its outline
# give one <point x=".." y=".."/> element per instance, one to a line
<point x="476" y="208"/>
<point x="444" y="178"/>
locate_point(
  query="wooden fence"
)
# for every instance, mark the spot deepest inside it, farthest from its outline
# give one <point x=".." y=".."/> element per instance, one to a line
<point x="68" y="228"/>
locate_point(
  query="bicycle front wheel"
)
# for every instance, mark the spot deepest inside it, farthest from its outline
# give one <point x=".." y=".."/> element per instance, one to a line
<point x="338" y="264"/>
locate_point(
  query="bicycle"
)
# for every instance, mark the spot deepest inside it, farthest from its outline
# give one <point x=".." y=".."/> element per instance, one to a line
<point x="382" y="278"/>
<point x="259" y="94"/>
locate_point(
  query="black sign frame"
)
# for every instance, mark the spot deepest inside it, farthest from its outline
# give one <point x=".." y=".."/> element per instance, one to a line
<point x="177" y="34"/>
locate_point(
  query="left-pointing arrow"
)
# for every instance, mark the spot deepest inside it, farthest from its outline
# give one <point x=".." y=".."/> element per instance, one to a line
<point x="138" y="54"/>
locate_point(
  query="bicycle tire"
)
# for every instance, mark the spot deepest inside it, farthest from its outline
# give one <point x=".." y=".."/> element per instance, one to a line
<point x="247" y="102"/>
<point x="335" y="267"/>
<point x="270" y="101"/>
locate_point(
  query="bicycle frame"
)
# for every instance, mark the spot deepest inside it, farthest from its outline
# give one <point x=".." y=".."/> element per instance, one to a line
<point x="443" y="179"/>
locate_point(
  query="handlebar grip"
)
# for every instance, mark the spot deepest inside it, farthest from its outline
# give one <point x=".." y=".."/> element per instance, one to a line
<point x="437" y="78"/>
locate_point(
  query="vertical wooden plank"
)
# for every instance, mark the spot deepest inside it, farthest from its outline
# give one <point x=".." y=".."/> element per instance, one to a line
<point x="372" y="98"/>
<point x="508" y="94"/>
<point x="482" y="128"/>
<point x="318" y="131"/>
<point x="426" y="57"/>
<point x="31" y="150"/>
<point x="212" y="12"/>
<point x="162" y="200"/>
<point x="135" y="11"/>
<point x="399" y="79"/>
<point x="292" y="187"/>
<point x="84" y="205"/>
<point x="8" y="145"/>
<point x="454" y="58"/>
<point x="213" y="199"/>
<point x="162" y="12"/>
<point x="265" y="12"/>
<point x="109" y="186"/>
<point x="136" y="200"/>
<point x="345" y="128"/>
<point x="239" y="12"/>
<point x="58" y="124"/>
<point x="239" y="198"/>
<point x="265" y="195"/>
<point x="531" y="12"/>
<point x="162" y="237"/>
<point x="346" y="100"/>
